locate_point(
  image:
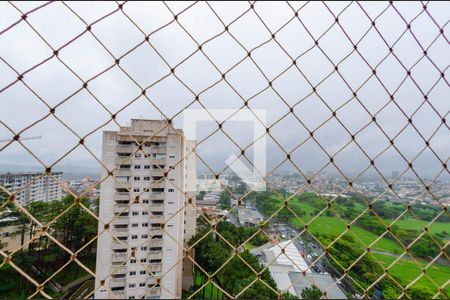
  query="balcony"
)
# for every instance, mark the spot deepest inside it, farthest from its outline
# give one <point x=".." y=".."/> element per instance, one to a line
<point x="159" y="161"/>
<point x="156" y="207"/>
<point x="153" y="292"/>
<point x="120" y="230"/>
<point x="123" y="184"/>
<point x="117" y="245"/>
<point x="118" y="208"/>
<point x="122" y="196"/>
<point x="116" y="282"/>
<point x="119" y="294"/>
<point x="117" y="259"/>
<point x="157" y="172"/>
<point x="155" y="255"/>
<point x="157" y="218"/>
<point x="118" y="269"/>
<point x="157" y="196"/>
<point x="123" y="160"/>
<point x="120" y="254"/>
<point x="155" y="267"/>
<point x="122" y="172"/>
<point x="155" y="230"/>
<point x="158" y="185"/>
<point x="125" y="148"/>
<point x="155" y="243"/>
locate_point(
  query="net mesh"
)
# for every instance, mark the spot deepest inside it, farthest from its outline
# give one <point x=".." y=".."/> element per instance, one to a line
<point x="340" y="36"/>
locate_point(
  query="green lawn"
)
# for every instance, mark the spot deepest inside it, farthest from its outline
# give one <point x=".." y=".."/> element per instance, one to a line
<point x="407" y="271"/>
<point x="336" y="226"/>
<point x="411" y="223"/>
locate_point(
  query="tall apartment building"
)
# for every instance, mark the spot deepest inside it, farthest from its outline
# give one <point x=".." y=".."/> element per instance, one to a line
<point x="33" y="186"/>
<point x="140" y="251"/>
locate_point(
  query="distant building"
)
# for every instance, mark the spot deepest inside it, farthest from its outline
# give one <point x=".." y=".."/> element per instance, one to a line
<point x="141" y="253"/>
<point x="249" y="217"/>
<point x="9" y="239"/>
<point x="291" y="273"/>
<point x="33" y="186"/>
<point x="210" y="199"/>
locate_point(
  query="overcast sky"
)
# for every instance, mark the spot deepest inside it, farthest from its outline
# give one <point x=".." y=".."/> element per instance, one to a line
<point x="22" y="48"/>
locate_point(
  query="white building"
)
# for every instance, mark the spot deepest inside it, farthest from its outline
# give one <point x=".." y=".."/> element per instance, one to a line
<point x="33" y="186"/>
<point x="291" y="273"/>
<point x="140" y="250"/>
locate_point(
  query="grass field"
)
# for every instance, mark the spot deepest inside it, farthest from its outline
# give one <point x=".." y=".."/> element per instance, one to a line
<point x="336" y="226"/>
<point x="411" y="223"/>
<point x="407" y="271"/>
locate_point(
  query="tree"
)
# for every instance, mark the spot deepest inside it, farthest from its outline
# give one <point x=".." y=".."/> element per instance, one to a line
<point x="287" y="295"/>
<point x="311" y="293"/>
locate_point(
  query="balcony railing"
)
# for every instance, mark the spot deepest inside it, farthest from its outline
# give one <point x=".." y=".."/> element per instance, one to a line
<point x="153" y="292"/>
<point x="122" y="172"/>
<point x="155" y="255"/>
<point x="155" y="243"/>
<point x="155" y="267"/>
<point x="154" y="206"/>
<point x="123" y="160"/>
<point x="123" y="184"/>
<point x="125" y="148"/>
<point x="118" y="269"/>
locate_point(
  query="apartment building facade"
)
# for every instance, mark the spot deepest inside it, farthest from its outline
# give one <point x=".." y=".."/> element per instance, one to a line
<point x="33" y="186"/>
<point x="140" y="250"/>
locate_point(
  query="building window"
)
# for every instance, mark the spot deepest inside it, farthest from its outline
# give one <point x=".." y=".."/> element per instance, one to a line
<point x="144" y="236"/>
<point x="137" y="167"/>
<point x="170" y="190"/>
<point x="134" y="225"/>
<point x="144" y="224"/>
<point x="135" y="213"/>
<point x="137" y="178"/>
<point x="144" y="213"/>
<point x="137" y="155"/>
<point x="147" y="178"/>
<point x="134" y="237"/>
<point x="144" y="248"/>
<point x="136" y="190"/>
<point x="132" y="261"/>
<point x="142" y="272"/>
<point x="145" y="201"/>
<point x="143" y="260"/>
<point x="132" y="273"/>
<point x="142" y="284"/>
<point x="131" y="285"/>
<point x="146" y="167"/>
